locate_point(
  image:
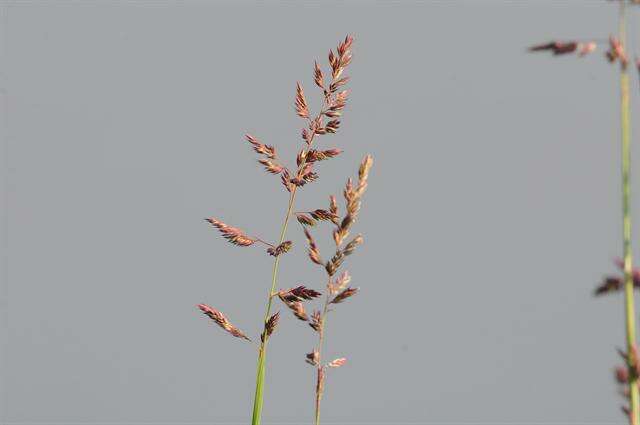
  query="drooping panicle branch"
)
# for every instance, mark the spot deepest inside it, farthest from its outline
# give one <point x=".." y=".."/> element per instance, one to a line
<point x="232" y="234"/>
<point x="222" y="321"/>
<point x="240" y="238"/>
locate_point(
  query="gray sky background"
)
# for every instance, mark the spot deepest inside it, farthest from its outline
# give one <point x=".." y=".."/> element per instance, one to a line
<point x="492" y="213"/>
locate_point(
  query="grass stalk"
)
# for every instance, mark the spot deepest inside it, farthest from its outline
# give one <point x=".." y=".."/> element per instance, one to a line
<point x="634" y="395"/>
<point x="626" y="375"/>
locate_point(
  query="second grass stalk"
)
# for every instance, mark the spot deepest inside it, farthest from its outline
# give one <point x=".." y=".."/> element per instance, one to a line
<point x="630" y="316"/>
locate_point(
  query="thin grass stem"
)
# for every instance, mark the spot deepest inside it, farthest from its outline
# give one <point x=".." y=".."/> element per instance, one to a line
<point x="634" y="395"/>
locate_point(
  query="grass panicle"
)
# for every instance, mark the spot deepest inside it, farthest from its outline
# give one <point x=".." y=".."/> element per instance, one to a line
<point x="326" y="121"/>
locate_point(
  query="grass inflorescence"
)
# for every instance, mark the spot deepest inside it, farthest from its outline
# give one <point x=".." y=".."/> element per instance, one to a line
<point x="326" y="121"/>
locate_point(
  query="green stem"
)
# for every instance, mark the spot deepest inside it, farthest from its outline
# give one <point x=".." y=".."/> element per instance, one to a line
<point x="634" y="396"/>
<point x="260" y="374"/>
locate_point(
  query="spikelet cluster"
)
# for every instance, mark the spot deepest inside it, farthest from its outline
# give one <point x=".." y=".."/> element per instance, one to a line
<point x="232" y="234"/>
<point x="630" y="371"/>
<point x="316" y="320"/>
<point x="294" y="299"/>
<point x="340" y="283"/>
<point x="616" y="52"/>
<point x="613" y="283"/>
<point x="280" y="249"/>
<point x="566" y="47"/>
<point x="270" y="325"/>
<point x="222" y="321"/>
<point x="312" y="358"/>
<point x="353" y="196"/>
<point x="337" y="362"/>
<point x="302" y="108"/>
<point x="314" y="252"/>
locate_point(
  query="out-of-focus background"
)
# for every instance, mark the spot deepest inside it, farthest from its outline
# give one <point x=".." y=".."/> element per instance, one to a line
<point x="493" y="211"/>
